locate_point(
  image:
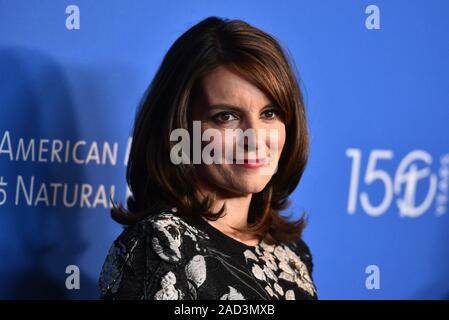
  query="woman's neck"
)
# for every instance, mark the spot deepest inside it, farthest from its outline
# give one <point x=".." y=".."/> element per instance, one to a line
<point x="236" y="210"/>
<point x="236" y="216"/>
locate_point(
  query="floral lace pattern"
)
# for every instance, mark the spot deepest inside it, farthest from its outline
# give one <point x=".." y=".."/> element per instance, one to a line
<point x="176" y="260"/>
<point x="271" y="263"/>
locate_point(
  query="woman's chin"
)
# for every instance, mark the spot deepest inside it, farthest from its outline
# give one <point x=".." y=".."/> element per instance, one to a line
<point x="250" y="188"/>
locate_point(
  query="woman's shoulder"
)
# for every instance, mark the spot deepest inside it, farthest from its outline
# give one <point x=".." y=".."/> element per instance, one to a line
<point x="303" y="251"/>
<point x="142" y="247"/>
<point x="168" y="234"/>
<point x="124" y="264"/>
<point x="172" y="235"/>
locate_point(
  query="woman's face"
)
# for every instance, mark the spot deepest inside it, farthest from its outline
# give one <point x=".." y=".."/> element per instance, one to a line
<point x="228" y="102"/>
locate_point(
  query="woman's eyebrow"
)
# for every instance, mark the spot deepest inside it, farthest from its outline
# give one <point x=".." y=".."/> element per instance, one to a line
<point x="232" y="107"/>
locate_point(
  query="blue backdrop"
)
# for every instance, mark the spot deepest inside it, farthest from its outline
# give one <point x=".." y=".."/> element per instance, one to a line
<point x="375" y="76"/>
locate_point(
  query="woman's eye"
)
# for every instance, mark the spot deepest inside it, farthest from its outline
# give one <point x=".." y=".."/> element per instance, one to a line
<point x="271" y="114"/>
<point x="224" y="117"/>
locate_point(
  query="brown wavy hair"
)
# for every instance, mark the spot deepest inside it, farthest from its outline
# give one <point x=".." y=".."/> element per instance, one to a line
<point x="157" y="184"/>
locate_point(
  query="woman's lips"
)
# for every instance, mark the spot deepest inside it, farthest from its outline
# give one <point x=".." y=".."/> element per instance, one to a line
<point x="251" y="163"/>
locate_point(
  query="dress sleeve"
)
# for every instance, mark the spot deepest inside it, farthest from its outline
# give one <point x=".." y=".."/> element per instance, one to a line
<point x="139" y="266"/>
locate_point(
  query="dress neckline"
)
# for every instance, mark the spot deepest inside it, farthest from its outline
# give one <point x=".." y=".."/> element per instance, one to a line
<point x="224" y="238"/>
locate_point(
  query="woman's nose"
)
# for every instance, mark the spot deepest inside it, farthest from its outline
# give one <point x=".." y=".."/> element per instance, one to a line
<point x="252" y="134"/>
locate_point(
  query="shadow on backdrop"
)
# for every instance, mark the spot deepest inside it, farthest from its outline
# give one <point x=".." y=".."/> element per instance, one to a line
<point x="37" y="242"/>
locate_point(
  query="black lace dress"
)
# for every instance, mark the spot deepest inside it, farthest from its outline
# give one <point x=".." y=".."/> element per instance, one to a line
<point x="169" y="257"/>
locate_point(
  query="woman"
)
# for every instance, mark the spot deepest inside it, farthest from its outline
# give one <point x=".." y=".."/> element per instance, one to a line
<point x="213" y="230"/>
